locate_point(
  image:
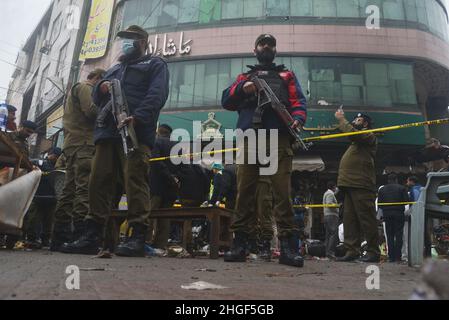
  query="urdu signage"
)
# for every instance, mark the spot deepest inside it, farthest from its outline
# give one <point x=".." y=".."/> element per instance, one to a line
<point x="168" y="46"/>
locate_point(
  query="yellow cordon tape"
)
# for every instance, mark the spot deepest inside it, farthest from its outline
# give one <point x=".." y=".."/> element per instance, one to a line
<point x="382" y="204"/>
<point x="397" y="127"/>
<point x="311" y="206"/>
<point x="324" y="137"/>
<point x="188" y="155"/>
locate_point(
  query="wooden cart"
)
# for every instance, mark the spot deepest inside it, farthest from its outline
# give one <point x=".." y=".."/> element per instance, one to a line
<point x="11" y="156"/>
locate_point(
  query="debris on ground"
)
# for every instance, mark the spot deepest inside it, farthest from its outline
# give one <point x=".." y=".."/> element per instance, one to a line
<point x="206" y="270"/>
<point x="154" y="252"/>
<point x="178" y="252"/>
<point x="92" y="269"/>
<point x="103" y="254"/>
<point x="202" y="285"/>
<point x="435" y="282"/>
<point x="253" y="257"/>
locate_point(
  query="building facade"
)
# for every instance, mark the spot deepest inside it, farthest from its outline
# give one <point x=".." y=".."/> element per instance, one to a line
<point x="397" y="72"/>
<point x="389" y="58"/>
<point x="46" y="67"/>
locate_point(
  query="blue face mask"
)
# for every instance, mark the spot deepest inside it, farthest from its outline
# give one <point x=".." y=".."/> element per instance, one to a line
<point x="128" y="47"/>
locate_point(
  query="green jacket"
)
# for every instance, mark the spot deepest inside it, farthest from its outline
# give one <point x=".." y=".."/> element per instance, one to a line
<point x="79" y="116"/>
<point x="357" y="166"/>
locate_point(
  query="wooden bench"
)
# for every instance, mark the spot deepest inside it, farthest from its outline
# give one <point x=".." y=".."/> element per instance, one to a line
<point x="219" y="223"/>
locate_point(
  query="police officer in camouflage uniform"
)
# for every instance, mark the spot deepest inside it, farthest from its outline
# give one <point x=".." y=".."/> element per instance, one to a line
<point x="357" y="180"/>
<point x="78" y="121"/>
<point x="241" y="96"/>
<point x="145" y="83"/>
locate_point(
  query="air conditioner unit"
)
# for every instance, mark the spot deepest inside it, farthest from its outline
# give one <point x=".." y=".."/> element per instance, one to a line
<point x="46" y="47"/>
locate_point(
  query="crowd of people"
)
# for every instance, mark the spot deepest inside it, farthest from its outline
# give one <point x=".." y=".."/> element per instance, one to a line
<point x="98" y="171"/>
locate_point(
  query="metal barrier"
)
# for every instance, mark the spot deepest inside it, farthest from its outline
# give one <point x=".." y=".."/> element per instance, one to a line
<point x="427" y="207"/>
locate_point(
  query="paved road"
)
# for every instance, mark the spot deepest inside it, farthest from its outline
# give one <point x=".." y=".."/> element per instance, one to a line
<point x="41" y="275"/>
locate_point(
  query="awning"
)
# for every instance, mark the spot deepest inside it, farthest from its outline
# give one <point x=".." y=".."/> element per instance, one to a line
<point x="308" y="163"/>
<point x="416" y="169"/>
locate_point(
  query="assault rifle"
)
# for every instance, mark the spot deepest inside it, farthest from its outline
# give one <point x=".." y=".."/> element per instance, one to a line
<point x="120" y="111"/>
<point x="266" y="96"/>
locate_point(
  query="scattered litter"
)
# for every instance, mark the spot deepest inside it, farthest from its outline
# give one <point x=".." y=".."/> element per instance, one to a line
<point x="92" y="269"/>
<point x="271" y="275"/>
<point x="154" y="252"/>
<point x="253" y="257"/>
<point x="178" y="252"/>
<point x="310" y="273"/>
<point x="434" y="284"/>
<point x="202" y="285"/>
<point x="19" y="245"/>
<point x="206" y="270"/>
<point x="103" y="255"/>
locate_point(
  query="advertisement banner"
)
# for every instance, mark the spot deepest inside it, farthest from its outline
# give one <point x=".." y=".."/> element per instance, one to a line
<point x="97" y="33"/>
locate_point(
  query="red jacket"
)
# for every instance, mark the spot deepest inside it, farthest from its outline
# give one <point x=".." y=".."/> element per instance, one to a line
<point x="234" y="96"/>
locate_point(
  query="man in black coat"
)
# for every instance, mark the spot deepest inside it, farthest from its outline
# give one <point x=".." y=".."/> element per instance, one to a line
<point x="164" y="184"/>
<point x="394" y="216"/>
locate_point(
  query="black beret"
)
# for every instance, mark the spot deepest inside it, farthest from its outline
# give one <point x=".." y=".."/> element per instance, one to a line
<point x="11" y="108"/>
<point x="55" y="151"/>
<point x="267" y="38"/>
<point x="29" y="124"/>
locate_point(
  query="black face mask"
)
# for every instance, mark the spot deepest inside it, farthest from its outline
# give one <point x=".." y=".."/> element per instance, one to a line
<point x="358" y="126"/>
<point x="265" y="56"/>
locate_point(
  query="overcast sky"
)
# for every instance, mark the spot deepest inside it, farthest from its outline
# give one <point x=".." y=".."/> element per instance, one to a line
<point x="18" y="18"/>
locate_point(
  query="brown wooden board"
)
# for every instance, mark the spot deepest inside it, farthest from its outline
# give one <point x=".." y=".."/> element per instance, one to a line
<point x="11" y="155"/>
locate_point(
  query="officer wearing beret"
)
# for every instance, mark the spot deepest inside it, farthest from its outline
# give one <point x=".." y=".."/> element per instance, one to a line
<point x="357" y="180"/>
<point x="11" y="123"/>
<point x="241" y="96"/>
<point x="20" y="137"/>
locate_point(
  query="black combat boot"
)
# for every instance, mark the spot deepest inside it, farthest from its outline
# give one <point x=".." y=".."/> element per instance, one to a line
<point x="252" y="247"/>
<point x="238" y="249"/>
<point x="290" y="252"/>
<point x="134" y="246"/>
<point x="89" y="242"/>
<point x="62" y="233"/>
<point x="79" y="228"/>
<point x="265" y="250"/>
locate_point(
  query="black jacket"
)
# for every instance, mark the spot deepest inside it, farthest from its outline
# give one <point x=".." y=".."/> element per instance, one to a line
<point x="162" y="173"/>
<point x="195" y="182"/>
<point x="45" y="192"/>
<point x="393" y="193"/>
<point x="225" y="186"/>
<point x="145" y="82"/>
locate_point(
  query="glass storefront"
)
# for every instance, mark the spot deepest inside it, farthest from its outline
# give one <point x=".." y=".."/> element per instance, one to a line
<point x="351" y="81"/>
<point x="157" y="15"/>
